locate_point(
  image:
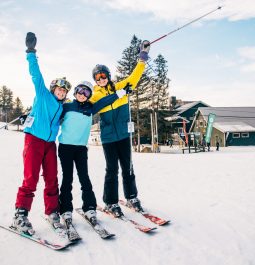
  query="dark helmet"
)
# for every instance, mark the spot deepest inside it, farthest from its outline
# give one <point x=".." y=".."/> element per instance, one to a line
<point x="100" y="68"/>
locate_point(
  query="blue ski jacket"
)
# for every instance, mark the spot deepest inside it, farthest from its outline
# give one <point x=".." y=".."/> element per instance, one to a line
<point x="77" y="120"/>
<point x="46" y="110"/>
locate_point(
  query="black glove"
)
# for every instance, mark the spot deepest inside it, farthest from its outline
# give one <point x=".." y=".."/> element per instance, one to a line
<point x="31" y="42"/>
<point x="128" y="89"/>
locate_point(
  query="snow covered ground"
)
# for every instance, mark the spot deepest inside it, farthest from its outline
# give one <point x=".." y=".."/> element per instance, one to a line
<point x="210" y="198"/>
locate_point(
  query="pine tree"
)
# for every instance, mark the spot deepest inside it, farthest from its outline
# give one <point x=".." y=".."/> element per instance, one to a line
<point x="159" y="98"/>
<point x="6" y="102"/>
<point x="160" y="84"/>
<point x="18" y="110"/>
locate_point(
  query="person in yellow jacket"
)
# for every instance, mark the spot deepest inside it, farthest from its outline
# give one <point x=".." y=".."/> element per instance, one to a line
<point x="114" y="120"/>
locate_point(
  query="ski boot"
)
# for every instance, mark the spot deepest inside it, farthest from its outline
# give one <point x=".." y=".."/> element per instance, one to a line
<point x="21" y="222"/>
<point x="54" y="221"/>
<point x="72" y="234"/>
<point x="135" y="204"/>
<point x="114" y="209"/>
<point x="67" y="218"/>
<point x="91" y="216"/>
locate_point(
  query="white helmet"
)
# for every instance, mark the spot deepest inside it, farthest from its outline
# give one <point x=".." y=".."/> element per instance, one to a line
<point x="84" y="85"/>
<point x="87" y="84"/>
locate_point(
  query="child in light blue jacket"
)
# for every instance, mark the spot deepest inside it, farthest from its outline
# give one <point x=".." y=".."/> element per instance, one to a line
<point x="73" y="140"/>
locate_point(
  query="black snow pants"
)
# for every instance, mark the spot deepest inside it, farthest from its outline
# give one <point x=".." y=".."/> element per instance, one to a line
<point x="70" y="154"/>
<point x="118" y="152"/>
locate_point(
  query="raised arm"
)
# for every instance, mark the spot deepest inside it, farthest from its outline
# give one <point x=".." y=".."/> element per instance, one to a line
<point x="34" y="69"/>
<point x="136" y="75"/>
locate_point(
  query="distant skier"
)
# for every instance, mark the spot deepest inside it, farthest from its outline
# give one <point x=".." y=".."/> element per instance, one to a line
<point x="115" y="135"/>
<point x="217" y="146"/>
<point x="41" y="129"/>
<point x="75" y="130"/>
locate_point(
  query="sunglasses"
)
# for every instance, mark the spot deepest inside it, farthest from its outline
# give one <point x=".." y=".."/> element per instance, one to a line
<point x="62" y="83"/>
<point x="85" y="91"/>
<point x="100" y="75"/>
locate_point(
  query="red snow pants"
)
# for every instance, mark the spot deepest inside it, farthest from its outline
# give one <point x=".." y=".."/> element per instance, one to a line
<point x="37" y="153"/>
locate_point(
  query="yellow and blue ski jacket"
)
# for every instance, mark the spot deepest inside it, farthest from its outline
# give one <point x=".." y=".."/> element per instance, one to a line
<point x="115" y="117"/>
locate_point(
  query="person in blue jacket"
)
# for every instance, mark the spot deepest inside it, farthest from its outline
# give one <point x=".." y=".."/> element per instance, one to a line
<point x="73" y="140"/>
<point x="41" y="129"/>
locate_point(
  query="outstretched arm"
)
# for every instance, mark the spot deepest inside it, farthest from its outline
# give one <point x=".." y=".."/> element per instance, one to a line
<point x="34" y="69"/>
<point x="105" y="101"/>
<point x="136" y="75"/>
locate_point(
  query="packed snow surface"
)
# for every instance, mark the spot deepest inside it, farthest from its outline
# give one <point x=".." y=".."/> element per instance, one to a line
<point x="209" y="197"/>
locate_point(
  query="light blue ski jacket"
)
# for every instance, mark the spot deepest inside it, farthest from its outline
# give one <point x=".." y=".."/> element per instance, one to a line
<point x="46" y="110"/>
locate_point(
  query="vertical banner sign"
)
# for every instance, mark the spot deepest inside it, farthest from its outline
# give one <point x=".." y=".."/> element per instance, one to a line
<point x="209" y="127"/>
<point x="184" y="131"/>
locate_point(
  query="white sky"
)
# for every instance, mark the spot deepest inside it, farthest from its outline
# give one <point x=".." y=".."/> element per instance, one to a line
<point x="213" y="60"/>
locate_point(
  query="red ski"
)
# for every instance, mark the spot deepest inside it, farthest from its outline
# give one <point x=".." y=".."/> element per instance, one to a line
<point x="151" y="217"/>
<point x="140" y="227"/>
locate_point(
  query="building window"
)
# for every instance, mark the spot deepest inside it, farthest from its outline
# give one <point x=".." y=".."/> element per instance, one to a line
<point x="180" y="130"/>
<point x="245" y="135"/>
<point x="236" y="135"/>
<point x="201" y="123"/>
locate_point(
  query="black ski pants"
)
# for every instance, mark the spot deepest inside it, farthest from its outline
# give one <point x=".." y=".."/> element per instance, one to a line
<point x="70" y="154"/>
<point x="118" y="152"/>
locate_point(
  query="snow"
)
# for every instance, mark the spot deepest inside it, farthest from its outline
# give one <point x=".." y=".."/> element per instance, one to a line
<point x="208" y="196"/>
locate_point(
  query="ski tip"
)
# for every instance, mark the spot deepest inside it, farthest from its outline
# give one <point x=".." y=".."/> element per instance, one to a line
<point x="165" y="222"/>
<point x="109" y="236"/>
<point x="147" y="229"/>
<point x="75" y="241"/>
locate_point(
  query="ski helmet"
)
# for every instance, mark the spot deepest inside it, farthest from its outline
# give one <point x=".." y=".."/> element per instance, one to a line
<point x="61" y="82"/>
<point x="100" y="68"/>
<point x="85" y="88"/>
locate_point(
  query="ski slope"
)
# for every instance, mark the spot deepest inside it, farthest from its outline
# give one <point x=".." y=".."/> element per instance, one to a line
<point x="210" y="198"/>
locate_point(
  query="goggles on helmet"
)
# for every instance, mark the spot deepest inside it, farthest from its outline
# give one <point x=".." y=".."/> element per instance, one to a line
<point x="83" y="90"/>
<point x="61" y="83"/>
<point x="100" y="75"/>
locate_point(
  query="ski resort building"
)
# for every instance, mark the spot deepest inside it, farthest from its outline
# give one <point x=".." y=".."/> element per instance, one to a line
<point x="233" y="126"/>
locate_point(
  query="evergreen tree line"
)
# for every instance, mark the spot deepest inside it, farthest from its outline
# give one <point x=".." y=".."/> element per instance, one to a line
<point x="10" y="107"/>
<point x="151" y="97"/>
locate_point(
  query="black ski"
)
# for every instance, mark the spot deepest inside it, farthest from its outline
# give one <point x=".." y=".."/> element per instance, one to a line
<point x="72" y="234"/>
<point x="98" y="228"/>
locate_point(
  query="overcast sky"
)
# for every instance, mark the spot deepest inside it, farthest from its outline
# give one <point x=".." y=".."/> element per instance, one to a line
<point x="213" y="60"/>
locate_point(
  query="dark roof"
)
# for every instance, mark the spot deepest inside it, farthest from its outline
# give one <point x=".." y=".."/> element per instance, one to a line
<point x="190" y="105"/>
<point x="231" y="118"/>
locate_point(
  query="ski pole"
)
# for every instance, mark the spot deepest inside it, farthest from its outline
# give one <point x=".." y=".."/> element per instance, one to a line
<point x="185" y="25"/>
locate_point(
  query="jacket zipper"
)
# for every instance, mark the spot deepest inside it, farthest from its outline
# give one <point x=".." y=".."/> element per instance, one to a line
<point x="114" y="125"/>
<point x="52" y="121"/>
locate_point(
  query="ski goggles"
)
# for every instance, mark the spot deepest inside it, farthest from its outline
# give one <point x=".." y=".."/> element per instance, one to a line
<point x="62" y="83"/>
<point x="85" y="91"/>
<point x="100" y="75"/>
